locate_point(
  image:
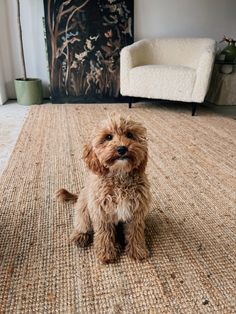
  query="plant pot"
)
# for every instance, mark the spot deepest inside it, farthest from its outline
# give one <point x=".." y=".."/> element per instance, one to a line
<point x="29" y="91"/>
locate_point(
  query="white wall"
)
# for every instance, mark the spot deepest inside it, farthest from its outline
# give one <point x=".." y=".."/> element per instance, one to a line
<point x="198" y="18"/>
<point x="206" y="18"/>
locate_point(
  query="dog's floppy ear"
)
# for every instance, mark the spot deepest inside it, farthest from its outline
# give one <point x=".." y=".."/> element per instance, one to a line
<point x="92" y="161"/>
<point x="142" y="166"/>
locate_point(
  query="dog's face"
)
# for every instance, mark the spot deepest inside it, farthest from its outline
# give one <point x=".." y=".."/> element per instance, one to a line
<point x="120" y="145"/>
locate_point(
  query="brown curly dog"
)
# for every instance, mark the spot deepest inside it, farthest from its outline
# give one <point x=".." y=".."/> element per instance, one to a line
<point x="117" y="190"/>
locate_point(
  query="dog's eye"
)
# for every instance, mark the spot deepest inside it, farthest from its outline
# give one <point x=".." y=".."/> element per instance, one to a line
<point x="109" y="137"/>
<point x="129" y="135"/>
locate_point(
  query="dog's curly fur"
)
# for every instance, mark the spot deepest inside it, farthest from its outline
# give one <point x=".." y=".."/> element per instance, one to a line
<point x="117" y="190"/>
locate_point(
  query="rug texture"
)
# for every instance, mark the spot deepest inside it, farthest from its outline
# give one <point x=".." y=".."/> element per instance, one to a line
<point x="190" y="228"/>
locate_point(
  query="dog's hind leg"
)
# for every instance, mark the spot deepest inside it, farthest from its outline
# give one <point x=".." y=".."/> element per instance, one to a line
<point x="82" y="223"/>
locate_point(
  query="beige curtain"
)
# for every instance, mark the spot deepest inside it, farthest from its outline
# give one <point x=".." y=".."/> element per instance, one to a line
<point x="3" y="92"/>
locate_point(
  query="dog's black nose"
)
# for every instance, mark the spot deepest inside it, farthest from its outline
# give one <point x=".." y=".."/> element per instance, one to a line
<point x="121" y="150"/>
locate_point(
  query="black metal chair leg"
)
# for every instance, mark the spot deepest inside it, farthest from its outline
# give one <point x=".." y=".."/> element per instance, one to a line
<point x="194" y="107"/>
<point x="130" y="102"/>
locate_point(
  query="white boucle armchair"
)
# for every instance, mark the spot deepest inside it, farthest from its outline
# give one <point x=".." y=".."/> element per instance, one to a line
<point x="177" y="69"/>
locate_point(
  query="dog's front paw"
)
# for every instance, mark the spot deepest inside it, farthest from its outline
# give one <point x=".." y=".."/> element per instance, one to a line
<point x="81" y="239"/>
<point x="109" y="255"/>
<point x="137" y="252"/>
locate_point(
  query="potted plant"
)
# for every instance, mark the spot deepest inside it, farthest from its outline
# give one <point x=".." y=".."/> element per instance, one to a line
<point x="229" y="52"/>
<point x="28" y="90"/>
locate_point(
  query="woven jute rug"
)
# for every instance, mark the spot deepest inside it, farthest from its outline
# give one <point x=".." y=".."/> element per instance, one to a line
<point x="190" y="229"/>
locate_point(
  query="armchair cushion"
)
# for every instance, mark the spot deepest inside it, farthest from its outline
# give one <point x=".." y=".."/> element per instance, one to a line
<point x="162" y="81"/>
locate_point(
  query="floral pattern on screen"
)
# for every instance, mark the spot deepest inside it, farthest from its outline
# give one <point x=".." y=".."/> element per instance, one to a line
<point x="84" y="39"/>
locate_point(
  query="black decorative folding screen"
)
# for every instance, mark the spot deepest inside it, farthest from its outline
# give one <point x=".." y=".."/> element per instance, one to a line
<point x="84" y="39"/>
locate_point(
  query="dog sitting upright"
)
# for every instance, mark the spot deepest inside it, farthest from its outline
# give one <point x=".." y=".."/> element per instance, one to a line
<point x="117" y="190"/>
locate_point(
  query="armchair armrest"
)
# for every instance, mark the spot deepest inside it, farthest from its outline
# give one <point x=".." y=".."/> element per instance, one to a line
<point x="203" y="72"/>
<point x="130" y="57"/>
